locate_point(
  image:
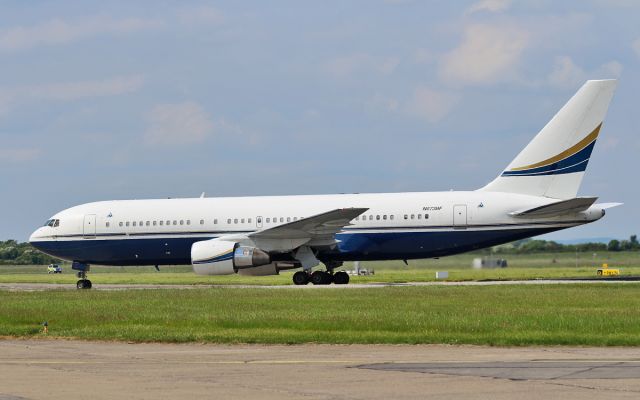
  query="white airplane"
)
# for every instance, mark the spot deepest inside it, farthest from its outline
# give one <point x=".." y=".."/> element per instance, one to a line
<point x="535" y="194"/>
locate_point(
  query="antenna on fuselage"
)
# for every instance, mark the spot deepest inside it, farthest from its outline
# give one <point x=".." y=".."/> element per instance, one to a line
<point x="202" y="195"/>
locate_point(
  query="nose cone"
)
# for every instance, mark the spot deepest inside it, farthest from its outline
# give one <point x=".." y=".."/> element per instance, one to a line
<point x="35" y="236"/>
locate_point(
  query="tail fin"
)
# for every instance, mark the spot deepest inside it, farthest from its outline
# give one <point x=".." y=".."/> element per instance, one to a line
<point x="553" y="163"/>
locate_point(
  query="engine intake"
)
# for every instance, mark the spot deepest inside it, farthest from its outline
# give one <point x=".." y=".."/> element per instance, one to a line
<point x="222" y="257"/>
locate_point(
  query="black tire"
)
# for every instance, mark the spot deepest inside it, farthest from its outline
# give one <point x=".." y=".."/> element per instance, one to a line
<point x="341" y="278"/>
<point x="83" y="284"/>
<point x="319" y="278"/>
<point x="300" y="278"/>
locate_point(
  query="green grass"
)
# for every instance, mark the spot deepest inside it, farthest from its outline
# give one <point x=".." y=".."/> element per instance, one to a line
<point x="596" y="314"/>
<point x="529" y="266"/>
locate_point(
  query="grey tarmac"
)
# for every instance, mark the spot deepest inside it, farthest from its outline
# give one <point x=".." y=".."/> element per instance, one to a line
<point x="68" y="369"/>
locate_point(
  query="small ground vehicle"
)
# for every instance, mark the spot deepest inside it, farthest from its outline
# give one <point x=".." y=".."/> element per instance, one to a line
<point x="54" y="269"/>
<point x="606" y="271"/>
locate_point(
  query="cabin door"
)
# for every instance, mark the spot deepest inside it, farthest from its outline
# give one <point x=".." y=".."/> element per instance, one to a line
<point x="460" y="216"/>
<point x="89" y="231"/>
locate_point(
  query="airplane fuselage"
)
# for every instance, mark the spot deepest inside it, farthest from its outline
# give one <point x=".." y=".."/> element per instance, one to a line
<point x="396" y="225"/>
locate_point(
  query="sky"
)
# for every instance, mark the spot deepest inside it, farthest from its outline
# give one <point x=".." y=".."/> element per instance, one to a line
<point x="155" y="99"/>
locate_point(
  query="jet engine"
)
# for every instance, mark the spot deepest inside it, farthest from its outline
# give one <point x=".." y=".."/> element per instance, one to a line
<point x="223" y="257"/>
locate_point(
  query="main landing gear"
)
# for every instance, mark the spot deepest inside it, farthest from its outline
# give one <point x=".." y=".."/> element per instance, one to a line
<point x="82" y="269"/>
<point x="320" y="278"/>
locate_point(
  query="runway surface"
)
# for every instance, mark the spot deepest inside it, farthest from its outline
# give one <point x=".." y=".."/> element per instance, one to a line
<point x="99" y="286"/>
<point x="61" y="369"/>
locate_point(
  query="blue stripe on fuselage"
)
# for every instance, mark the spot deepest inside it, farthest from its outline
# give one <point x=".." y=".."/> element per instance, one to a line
<point x="352" y="246"/>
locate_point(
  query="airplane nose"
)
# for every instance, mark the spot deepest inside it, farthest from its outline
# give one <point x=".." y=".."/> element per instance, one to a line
<point x="34" y="236"/>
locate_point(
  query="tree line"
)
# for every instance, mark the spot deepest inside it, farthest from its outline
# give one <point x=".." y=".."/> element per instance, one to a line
<point x="14" y="253"/>
<point x="527" y="246"/>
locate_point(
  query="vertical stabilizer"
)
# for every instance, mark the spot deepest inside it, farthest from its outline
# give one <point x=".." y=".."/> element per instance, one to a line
<point x="554" y="162"/>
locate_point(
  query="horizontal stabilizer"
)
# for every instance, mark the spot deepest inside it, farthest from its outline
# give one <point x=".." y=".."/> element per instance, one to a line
<point x="559" y="208"/>
<point x="604" y="206"/>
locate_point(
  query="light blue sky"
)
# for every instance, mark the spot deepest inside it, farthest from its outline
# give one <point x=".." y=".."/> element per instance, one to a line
<point x="169" y="99"/>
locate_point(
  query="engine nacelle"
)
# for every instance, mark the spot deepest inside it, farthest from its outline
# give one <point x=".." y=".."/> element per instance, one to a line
<point x="222" y="257"/>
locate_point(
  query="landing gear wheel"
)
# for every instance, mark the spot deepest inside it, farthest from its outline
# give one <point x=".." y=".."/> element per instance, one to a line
<point x="321" y="278"/>
<point x="341" y="278"/>
<point x="301" y="278"/>
<point x="83" y="284"/>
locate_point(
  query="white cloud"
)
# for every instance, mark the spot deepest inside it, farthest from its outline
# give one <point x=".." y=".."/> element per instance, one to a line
<point x="429" y="104"/>
<point x="489" y="5"/>
<point x="487" y="54"/>
<point x="18" y="155"/>
<point x="201" y="15"/>
<point x="181" y="123"/>
<point x="636" y="46"/>
<point x="345" y="66"/>
<point x="567" y="74"/>
<point x="58" y="31"/>
<point x="68" y="91"/>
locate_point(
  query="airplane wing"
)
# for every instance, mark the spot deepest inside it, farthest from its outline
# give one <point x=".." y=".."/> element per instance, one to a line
<point x="317" y="230"/>
<point x="558" y="208"/>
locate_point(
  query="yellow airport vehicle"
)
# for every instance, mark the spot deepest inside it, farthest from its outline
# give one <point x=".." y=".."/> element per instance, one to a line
<point x="606" y="271"/>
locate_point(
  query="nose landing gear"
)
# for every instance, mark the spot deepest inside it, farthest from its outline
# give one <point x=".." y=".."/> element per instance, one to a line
<point x="82" y="269"/>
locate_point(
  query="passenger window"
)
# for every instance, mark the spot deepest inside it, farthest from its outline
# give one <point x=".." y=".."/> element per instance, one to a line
<point x="281" y="219"/>
<point x="371" y="217"/>
<point x="134" y="223"/>
<point x="413" y="216"/>
<point x="215" y="221"/>
<point x="168" y="223"/>
<point x="378" y="217"/>
<point x="268" y="220"/>
<point x="235" y="220"/>
<point x="406" y="216"/>
<point x="249" y="220"/>
<point x="201" y="222"/>
<point x="161" y="223"/>
<point x="384" y="217"/>
<point x="148" y="223"/>
<point x="141" y="224"/>
<point x="181" y="222"/>
<point x="288" y="219"/>
<point x="295" y="218"/>
<point x="107" y="224"/>
<point x="155" y="223"/>
<point x="426" y="216"/>
<point x="229" y="221"/>
<point x="419" y="216"/>
<point x="127" y="223"/>
<point x="188" y="222"/>
<point x="175" y="222"/>
<point x="120" y="223"/>
<point x="242" y="221"/>
<point x="391" y="217"/>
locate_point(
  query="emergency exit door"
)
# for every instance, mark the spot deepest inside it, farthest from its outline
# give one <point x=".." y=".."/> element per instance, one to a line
<point x="89" y="231"/>
<point x="460" y="216"/>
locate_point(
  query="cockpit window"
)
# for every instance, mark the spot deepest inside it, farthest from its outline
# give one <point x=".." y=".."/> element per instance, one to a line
<point x="52" y="223"/>
<point x="56" y="223"/>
